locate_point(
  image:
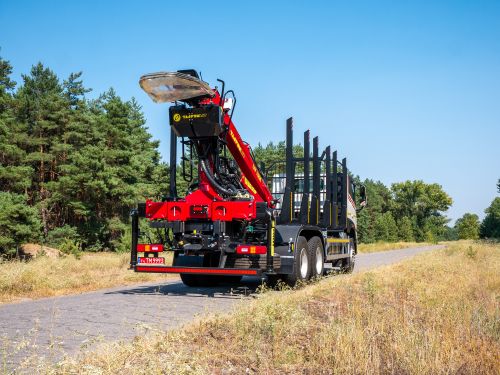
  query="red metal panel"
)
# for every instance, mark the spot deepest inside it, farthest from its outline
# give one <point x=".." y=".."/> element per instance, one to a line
<point x="227" y="211"/>
<point x="218" y="210"/>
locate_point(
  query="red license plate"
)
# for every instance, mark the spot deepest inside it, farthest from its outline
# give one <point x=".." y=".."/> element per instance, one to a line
<point x="151" y="260"/>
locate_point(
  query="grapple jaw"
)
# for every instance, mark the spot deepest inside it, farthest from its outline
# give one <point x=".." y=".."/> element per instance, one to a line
<point x="165" y="87"/>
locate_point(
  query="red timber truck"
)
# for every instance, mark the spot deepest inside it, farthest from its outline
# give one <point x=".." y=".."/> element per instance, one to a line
<point x="284" y="221"/>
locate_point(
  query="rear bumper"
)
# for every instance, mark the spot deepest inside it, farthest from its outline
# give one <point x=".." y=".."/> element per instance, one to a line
<point x="200" y="270"/>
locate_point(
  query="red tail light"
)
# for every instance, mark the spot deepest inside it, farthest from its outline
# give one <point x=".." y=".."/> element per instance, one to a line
<point x="156" y="248"/>
<point x="251" y="249"/>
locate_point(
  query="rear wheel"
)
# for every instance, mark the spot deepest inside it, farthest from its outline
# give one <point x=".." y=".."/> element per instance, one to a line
<point x="348" y="264"/>
<point x="194" y="280"/>
<point x="230" y="279"/>
<point x="302" y="263"/>
<point x="317" y="255"/>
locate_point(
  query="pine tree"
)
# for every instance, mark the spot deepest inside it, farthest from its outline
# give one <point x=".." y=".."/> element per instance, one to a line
<point x="43" y="111"/>
<point x="14" y="175"/>
<point x="18" y="222"/>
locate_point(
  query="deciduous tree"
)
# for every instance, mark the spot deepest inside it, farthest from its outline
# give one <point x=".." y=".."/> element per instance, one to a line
<point x="423" y="202"/>
<point x="386" y="228"/>
<point x="490" y="227"/>
<point x="468" y="227"/>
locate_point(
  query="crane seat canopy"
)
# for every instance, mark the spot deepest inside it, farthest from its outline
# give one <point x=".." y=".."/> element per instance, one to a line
<point x="165" y="87"/>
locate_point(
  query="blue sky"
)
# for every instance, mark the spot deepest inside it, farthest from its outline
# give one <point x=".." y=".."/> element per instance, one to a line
<point x="406" y="90"/>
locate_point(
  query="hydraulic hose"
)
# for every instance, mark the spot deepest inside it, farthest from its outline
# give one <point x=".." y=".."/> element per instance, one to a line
<point x="215" y="184"/>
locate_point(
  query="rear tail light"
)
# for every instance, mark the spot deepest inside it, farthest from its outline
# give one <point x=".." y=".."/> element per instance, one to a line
<point x="146" y="248"/>
<point x="251" y="249"/>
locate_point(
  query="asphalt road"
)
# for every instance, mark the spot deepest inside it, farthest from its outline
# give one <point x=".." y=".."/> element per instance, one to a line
<point x="51" y="327"/>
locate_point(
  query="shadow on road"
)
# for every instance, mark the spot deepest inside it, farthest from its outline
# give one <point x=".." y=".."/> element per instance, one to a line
<point x="246" y="287"/>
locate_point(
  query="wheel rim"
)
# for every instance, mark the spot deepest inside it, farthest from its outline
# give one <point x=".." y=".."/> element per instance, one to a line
<point x="303" y="263"/>
<point x="319" y="260"/>
<point x="352" y="256"/>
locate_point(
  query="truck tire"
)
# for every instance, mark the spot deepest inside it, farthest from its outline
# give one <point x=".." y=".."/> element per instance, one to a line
<point x="230" y="279"/>
<point x="302" y="263"/>
<point x="204" y="280"/>
<point x="317" y="252"/>
<point x="193" y="280"/>
<point x="348" y="263"/>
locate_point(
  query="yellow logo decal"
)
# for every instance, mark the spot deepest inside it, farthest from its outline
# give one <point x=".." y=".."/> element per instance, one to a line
<point x="177" y="117"/>
<point x="194" y="115"/>
<point x="249" y="185"/>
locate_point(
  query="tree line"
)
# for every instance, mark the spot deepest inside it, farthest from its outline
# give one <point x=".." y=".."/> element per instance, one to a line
<point x="71" y="168"/>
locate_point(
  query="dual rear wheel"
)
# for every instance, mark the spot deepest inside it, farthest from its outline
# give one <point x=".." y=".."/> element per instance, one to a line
<point x="309" y="260"/>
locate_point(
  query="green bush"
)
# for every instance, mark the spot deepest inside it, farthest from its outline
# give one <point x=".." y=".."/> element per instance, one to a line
<point x="58" y="236"/>
<point x="69" y="246"/>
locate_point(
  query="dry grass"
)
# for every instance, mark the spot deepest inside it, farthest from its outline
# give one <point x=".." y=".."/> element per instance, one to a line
<point x="384" y="246"/>
<point x="438" y="313"/>
<point x="44" y="277"/>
